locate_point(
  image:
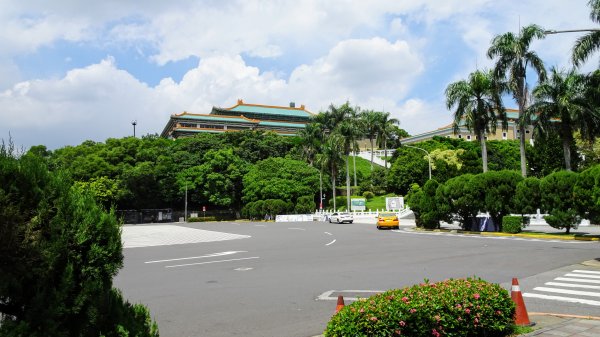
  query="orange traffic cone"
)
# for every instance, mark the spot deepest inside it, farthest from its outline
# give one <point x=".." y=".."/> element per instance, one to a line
<point x="340" y="304"/>
<point x="521" y="316"/>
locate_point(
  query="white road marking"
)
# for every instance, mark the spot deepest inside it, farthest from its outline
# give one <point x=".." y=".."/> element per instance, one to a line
<point x="198" y="257"/>
<point x="163" y="235"/>
<point x="562" y="299"/>
<point x="576" y="280"/>
<point x="243" y="269"/>
<point x="260" y="225"/>
<point x="584" y="276"/>
<point x="209" y="262"/>
<point x="298" y="229"/>
<point x="571" y="285"/>
<point x="328" y="233"/>
<point x="326" y="296"/>
<point x="566" y="291"/>
<point x="334" y="240"/>
<point x="587" y="272"/>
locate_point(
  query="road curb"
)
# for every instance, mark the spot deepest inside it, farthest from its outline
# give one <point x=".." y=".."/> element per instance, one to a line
<point x="526" y="236"/>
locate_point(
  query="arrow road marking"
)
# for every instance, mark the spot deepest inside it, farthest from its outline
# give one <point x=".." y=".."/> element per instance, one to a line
<point x="199" y="257"/>
<point x="209" y="262"/>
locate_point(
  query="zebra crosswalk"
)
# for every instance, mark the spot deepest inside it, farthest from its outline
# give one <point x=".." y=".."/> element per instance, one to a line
<point x="578" y="286"/>
<point x="164" y="235"/>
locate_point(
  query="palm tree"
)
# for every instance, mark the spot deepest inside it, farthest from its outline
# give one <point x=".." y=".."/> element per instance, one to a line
<point x="332" y="152"/>
<point x="384" y="130"/>
<point x="478" y="107"/>
<point x="589" y="43"/>
<point x="513" y="58"/>
<point x="560" y="104"/>
<point x="369" y="122"/>
<point x="350" y="132"/>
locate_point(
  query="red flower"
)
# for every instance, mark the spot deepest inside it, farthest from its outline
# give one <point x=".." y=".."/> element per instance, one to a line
<point x="476" y="296"/>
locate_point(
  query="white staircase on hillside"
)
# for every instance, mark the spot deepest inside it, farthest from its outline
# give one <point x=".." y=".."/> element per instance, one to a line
<point x="377" y="157"/>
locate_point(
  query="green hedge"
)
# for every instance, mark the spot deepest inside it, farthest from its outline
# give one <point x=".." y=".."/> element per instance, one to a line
<point x="463" y="307"/>
<point x="202" y="219"/>
<point x="512" y="224"/>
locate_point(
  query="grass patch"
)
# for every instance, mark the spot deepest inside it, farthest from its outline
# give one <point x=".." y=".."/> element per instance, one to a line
<point x="378" y="202"/>
<point x="363" y="167"/>
<point x="521" y="330"/>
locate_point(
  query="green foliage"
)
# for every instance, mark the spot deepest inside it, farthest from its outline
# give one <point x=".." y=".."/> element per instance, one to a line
<point x="543" y="158"/>
<point x="423" y="203"/>
<point x="456" y="200"/>
<point x="305" y="204"/>
<point x="587" y="193"/>
<point x="217" y="180"/>
<point x="512" y="224"/>
<point x="527" y="196"/>
<point x="105" y="190"/>
<point x="59" y="252"/>
<point x="493" y="192"/>
<point x="558" y="200"/>
<point x="368" y="195"/>
<point x="408" y="168"/>
<point x="341" y="202"/>
<point x="280" y="178"/>
<point x="462" y="307"/>
<point x="202" y="219"/>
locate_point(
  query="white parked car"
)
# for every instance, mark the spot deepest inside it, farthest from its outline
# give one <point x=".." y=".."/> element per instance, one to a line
<point x="341" y="217"/>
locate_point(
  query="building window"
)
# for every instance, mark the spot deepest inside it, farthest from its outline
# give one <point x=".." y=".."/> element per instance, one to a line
<point x="468" y="137"/>
<point x="504" y="135"/>
<point x="485" y="137"/>
<point x="459" y="136"/>
<point x="526" y="131"/>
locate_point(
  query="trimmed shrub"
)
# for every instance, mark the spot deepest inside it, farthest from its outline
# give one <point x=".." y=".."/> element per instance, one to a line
<point x="305" y="205"/>
<point x="512" y="224"/>
<point x="463" y="307"/>
<point x="368" y="195"/>
<point x="202" y="219"/>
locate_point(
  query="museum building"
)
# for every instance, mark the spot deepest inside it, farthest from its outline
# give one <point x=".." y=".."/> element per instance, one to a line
<point x="283" y="120"/>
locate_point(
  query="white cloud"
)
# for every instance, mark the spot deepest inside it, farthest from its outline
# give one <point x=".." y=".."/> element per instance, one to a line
<point x="95" y="102"/>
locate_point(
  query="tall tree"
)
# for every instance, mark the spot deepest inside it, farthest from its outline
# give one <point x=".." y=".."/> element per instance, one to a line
<point x="478" y="107"/>
<point x="560" y="104"/>
<point x="384" y="131"/>
<point x="332" y="152"/>
<point x="514" y="57"/>
<point x="589" y="43"/>
<point x="370" y="125"/>
<point x="350" y="132"/>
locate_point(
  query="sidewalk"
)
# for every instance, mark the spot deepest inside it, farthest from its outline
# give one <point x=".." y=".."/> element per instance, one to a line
<point x="563" y="326"/>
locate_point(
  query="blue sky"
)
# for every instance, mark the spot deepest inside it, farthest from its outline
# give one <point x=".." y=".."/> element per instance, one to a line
<point x="72" y="71"/>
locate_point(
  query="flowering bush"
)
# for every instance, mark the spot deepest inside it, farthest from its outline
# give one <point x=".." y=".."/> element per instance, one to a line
<point x="463" y="307"/>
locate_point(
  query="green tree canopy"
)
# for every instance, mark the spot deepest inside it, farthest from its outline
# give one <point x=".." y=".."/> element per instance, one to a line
<point x="280" y="178"/>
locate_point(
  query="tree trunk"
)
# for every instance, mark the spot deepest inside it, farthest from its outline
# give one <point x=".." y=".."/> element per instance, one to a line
<point x="521" y="101"/>
<point x="385" y="152"/>
<point x="371" y="140"/>
<point x="522" y="151"/>
<point x="333" y="187"/>
<point x="567" y="134"/>
<point x="354" y="163"/>
<point x="348" y="183"/>
<point x="484" y="156"/>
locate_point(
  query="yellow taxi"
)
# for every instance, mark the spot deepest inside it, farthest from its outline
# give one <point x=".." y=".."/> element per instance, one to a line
<point x="387" y="220"/>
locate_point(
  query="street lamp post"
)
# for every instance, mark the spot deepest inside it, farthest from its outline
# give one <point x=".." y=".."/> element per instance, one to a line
<point x="552" y="31"/>
<point x="428" y="156"/>
<point x="134" y="123"/>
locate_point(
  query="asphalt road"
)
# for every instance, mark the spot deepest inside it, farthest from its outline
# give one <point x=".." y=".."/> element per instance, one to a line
<point x="267" y="281"/>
